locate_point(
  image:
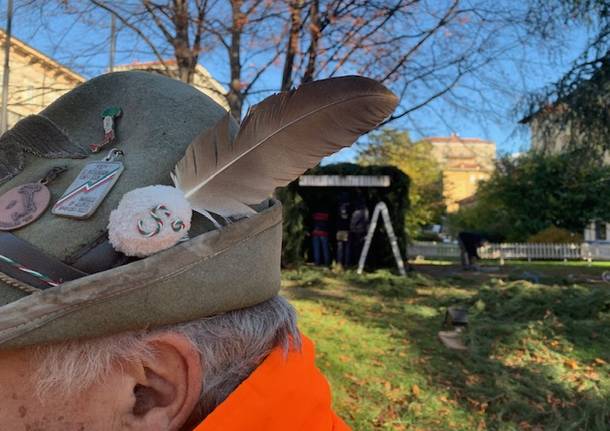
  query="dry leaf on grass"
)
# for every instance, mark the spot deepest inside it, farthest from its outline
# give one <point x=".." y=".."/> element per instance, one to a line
<point x="593" y="375"/>
<point x="415" y="391"/>
<point x="570" y="363"/>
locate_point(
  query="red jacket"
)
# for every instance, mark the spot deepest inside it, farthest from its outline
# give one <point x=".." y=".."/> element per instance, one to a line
<point x="282" y="394"/>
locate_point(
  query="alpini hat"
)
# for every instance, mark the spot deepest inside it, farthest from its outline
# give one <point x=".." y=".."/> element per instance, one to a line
<point x="135" y="201"/>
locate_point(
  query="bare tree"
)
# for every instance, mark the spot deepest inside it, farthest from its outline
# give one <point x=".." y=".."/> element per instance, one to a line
<point x="292" y="46"/>
<point x="424" y="50"/>
<point x="246" y="35"/>
<point x="181" y="24"/>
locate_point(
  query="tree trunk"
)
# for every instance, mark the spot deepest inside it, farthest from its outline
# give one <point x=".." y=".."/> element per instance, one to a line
<point x="293" y="43"/>
<point x="235" y="96"/>
<point x="186" y="59"/>
<point x="315" y="32"/>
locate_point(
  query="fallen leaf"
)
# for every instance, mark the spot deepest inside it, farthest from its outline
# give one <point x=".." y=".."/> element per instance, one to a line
<point x="593" y="375"/>
<point x="354" y="379"/>
<point x="570" y="363"/>
<point x="599" y="361"/>
<point x="472" y="379"/>
<point x="550" y="398"/>
<point x="524" y="426"/>
<point x="415" y="391"/>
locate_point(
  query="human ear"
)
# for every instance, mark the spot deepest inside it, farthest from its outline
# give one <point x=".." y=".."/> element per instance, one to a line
<point x="167" y="385"/>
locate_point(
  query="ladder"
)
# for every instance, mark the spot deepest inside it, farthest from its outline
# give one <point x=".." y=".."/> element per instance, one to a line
<point x="382" y="208"/>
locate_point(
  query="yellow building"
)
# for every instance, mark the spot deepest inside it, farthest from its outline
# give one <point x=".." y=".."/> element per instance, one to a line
<point x="464" y="162"/>
<point x="202" y="80"/>
<point x="35" y="80"/>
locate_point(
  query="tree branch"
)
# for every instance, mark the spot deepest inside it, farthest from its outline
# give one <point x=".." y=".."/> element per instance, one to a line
<point x="136" y="30"/>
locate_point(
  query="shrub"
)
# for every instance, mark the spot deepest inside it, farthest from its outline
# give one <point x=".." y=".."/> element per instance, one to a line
<point x="555" y="235"/>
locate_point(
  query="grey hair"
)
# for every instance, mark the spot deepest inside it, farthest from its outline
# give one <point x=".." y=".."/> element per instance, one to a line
<point x="231" y="346"/>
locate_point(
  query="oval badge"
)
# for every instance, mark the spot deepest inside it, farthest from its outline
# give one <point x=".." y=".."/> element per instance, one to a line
<point x="22" y="205"/>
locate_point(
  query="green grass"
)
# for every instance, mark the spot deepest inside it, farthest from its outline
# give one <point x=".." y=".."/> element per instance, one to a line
<point x="537" y="354"/>
<point x="548" y="271"/>
<point x="580" y="264"/>
<point x="558" y="263"/>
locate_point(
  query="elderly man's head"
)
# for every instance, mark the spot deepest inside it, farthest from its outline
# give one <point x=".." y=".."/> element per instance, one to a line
<point x="167" y="379"/>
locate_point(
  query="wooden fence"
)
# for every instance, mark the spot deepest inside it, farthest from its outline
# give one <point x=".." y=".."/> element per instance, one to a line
<point x="521" y="251"/>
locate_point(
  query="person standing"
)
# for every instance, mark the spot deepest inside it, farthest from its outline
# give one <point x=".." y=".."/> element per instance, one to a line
<point x="319" y="236"/>
<point x="469" y="243"/>
<point x="358" y="225"/>
<point x="343" y="243"/>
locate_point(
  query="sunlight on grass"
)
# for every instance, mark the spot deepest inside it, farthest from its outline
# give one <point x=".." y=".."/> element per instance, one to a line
<point x="537" y="360"/>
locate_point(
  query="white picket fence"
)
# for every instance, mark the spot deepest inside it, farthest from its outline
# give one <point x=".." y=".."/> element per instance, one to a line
<point x="521" y="251"/>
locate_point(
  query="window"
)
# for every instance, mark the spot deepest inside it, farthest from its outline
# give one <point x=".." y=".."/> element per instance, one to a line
<point x="600" y="231"/>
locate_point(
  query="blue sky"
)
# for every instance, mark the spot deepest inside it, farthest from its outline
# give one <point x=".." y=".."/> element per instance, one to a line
<point x="78" y="45"/>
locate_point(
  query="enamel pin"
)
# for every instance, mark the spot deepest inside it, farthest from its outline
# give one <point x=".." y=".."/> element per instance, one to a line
<point x="90" y="188"/>
<point x="24" y="204"/>
<point x="108" y="121"/>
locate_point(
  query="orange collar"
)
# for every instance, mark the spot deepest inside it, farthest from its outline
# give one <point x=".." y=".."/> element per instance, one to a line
<point x="283" y="393"/>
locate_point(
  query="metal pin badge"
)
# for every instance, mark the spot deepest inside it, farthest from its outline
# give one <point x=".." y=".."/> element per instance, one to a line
<point x="24" y="204"/>
<point x="108" y="121"/>
<point x="89" y="189"/>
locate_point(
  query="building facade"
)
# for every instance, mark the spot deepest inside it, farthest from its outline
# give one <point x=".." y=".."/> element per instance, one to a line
<point x="35" y="80"/>
<point x="464" y="163"/>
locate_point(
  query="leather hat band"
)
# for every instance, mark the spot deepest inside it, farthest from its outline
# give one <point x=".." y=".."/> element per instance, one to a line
<point x="24" y="262"/>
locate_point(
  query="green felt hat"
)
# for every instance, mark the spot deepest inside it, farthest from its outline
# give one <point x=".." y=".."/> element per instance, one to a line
<point x="103" y="292"/>
<point x="62" y="278"/>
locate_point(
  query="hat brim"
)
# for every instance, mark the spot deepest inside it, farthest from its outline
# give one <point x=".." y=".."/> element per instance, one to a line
<point x="215" y="272"/>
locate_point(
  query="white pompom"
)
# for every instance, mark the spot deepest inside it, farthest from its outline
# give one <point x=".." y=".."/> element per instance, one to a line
<point x="149" y="220"/>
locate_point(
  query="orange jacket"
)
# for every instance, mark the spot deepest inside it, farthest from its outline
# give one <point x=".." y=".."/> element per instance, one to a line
<point x="282" y="394"/>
